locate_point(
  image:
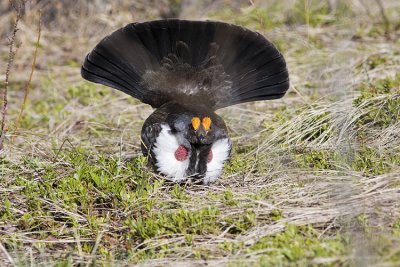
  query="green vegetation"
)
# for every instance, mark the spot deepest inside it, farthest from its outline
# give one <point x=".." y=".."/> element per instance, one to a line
<point x="313" y="180"/>
<point x="300" y="245"/>
<point x="86" y="196"/>
<point x="381" y="102"/>
<point x="318" y="13"/>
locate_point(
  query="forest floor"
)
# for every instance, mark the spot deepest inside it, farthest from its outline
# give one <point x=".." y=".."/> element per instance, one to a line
<point x="314" y="179"/>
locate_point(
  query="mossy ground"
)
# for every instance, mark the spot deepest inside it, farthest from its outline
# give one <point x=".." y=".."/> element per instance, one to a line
<point x="313" y="180"/>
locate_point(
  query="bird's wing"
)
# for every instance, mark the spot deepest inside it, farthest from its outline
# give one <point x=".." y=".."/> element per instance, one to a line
<point x="201" y="62"/>
<point x="149" y="136"/>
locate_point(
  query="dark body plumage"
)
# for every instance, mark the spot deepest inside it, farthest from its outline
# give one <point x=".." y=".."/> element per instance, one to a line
<point x="187" y="70"/>
<point x="178" y="116"/>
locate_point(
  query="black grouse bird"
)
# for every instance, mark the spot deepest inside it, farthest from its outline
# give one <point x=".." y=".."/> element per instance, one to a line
<point x="187" y="70"/>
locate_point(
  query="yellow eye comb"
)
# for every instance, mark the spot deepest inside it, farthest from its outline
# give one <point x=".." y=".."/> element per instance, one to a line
<point x="196" y="123"/>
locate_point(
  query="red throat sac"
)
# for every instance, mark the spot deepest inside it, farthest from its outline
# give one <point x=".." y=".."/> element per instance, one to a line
<point x="181" y="153"/>
<point x="210" y="156"/>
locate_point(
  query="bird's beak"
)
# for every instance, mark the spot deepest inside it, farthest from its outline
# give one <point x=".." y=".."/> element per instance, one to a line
<point x="201" y="133"/>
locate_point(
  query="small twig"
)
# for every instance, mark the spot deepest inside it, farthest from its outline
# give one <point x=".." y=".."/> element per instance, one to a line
<point x="78" y="242"/>
<point x="96" y="246"/>
<point x="9" y="258"/>
<point x="28" y="83"/>
<point x="61" y="147"/>
<point x="11" y="55"/>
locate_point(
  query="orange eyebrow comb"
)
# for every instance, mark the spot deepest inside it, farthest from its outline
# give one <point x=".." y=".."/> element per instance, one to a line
<point x="206" y="123"/>
<point x="196" y="123"/>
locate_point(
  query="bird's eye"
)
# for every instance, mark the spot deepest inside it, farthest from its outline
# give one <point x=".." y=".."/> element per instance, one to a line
<point x="181" y="153"/>
<point x="210" y="156"/>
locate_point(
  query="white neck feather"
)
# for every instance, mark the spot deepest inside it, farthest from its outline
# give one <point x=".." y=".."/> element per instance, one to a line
<point x="221" y="150"/>
<point x="164" y="151"/>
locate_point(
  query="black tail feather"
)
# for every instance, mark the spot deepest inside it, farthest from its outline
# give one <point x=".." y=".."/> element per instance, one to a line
<point x="213" y="63"/>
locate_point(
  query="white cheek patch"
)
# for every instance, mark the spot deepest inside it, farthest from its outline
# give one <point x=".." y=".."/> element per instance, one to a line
<point x="221" y="151"/>
<point x="164" y="151"/>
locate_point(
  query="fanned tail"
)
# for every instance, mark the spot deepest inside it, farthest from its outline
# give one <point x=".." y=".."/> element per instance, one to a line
<point x="201" y="62"/>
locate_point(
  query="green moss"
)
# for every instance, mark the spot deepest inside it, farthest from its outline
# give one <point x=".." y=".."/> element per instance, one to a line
<point x="179" y="193"/>
<point x="365" y="159"/>
<point x="317" y="159"/>
<point x="280" y="116"/>
<point x="239" y="223"/>
<point x="182" y="221"/>
<point x="229" y="198"/>
<point x="373" y="162"/>
<point x="380" y="102"/>
<point x="86" y="93"/>
<point x="296" y="246"/>
<point x="276" y="215"/>
<point x="238" y="164"/>
<point x="388" y="85"/>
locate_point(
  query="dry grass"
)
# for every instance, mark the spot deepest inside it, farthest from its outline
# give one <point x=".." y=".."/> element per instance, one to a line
<point x="313" y="180"/>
